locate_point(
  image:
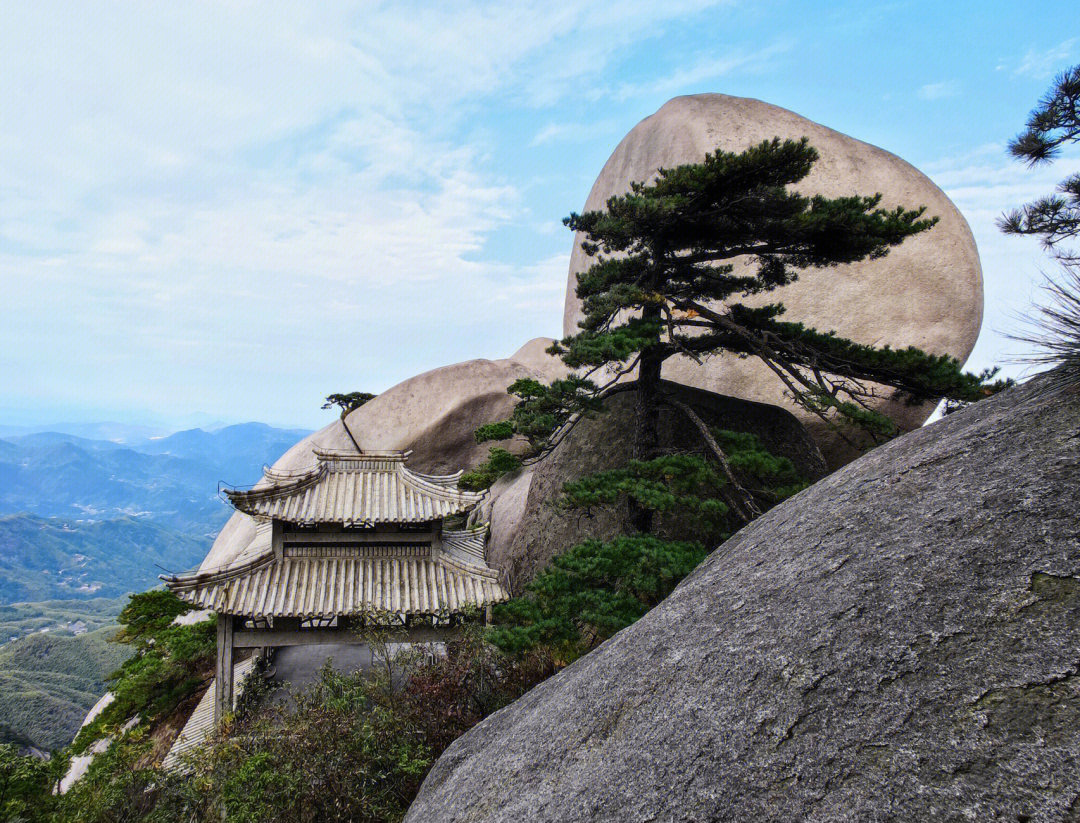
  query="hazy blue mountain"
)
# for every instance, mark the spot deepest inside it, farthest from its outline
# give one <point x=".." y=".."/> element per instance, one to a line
<point x="238" y="451"/>
<point x="47" y="558"/>
<point x="170" y="480"/>
<point x="81" y="517"/>
<point x="116" y="432"/>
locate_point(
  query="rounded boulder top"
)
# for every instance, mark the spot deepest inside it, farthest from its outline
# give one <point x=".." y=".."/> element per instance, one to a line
<point x="926" y="292"/>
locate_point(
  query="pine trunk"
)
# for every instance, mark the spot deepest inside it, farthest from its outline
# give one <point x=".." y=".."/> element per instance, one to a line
<point x="647" y="433"/>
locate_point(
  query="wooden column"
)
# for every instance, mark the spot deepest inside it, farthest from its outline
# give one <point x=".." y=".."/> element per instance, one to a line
<point x="223" y="679"/>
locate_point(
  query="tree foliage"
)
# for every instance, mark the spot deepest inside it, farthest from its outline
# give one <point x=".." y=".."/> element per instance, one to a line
<point x="1054" y="327"/>
<point x="352" y="747"/>
<point x="541" y="410"/>
<point x="447" y="695"/>
<point x="119" y="787"/>
<point x="683" y="482"/>
<point x="665" y="281"/>
<point x="676" y="261"/>
<point x="333" y="752"/>
<point x="480" y="477"/>
<point x="170" y="664"/>
<point x="25" y="781"/>
<point x="598" y="587"/>
<point x="593" y="590"/>
<point x="348" y="402"/>
<point x="1053" y="124"/>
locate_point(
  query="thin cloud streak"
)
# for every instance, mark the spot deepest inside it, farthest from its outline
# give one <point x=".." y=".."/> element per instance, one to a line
<point x="1044" y="63"/>
<point x="939" y="91"/>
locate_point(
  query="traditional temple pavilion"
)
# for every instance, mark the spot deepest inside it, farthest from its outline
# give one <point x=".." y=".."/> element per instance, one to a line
<point x="358" y="536"/>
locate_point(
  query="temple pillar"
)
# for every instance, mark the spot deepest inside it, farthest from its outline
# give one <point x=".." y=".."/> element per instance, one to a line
<point x="223" y="677"/>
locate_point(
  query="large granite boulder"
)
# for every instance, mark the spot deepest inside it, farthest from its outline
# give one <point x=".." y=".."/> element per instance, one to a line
<point x="528" y="528"/>
<point x="927" y="292"/>
<point x="434" y="414"/>
<point x="900" y="641"/>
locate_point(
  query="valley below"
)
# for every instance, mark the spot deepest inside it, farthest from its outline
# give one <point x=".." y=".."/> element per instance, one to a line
<point x="83" y="523"/>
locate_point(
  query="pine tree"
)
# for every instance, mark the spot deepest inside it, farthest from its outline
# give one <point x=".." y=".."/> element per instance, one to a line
<point x="348" y="403"/>
<point x="1054" y="123"/>
<point x="665" y="283"/>
<point x="596" y="588"/>
<point x="1055" y="325"/>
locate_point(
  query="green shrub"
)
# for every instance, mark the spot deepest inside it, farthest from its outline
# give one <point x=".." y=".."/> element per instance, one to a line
<point x="598" y="587"/>
<point x="499" y="462"/>
<point x="24" y="785"/>
<point x="170" y="664"/>
<point x="337" y="753"/>
<point x="592" y="591"/>
<point x="119" y="787"/>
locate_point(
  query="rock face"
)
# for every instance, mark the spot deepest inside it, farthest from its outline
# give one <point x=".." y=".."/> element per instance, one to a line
<point x="899" y="642"/>
<point x="927" y="292"/>
<point x="527" y="529"/>
<point x="434" y="414"/>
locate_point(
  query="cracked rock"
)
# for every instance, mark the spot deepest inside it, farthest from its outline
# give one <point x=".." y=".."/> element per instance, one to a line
<point x="899" y="642"/>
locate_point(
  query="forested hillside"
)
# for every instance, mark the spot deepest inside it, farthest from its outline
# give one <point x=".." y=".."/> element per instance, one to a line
<point x="46" y="558"/>
<point x="84" y="522"/>
<point x="49" y="681"/>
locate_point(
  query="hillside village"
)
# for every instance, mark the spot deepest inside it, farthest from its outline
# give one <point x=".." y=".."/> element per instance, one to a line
<point x="746" y="542"/>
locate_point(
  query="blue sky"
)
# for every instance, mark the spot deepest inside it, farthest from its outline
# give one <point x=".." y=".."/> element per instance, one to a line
<point x="235" y="209"/>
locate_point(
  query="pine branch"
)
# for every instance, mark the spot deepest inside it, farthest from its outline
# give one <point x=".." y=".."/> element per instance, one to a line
<point x="740" y="500"/>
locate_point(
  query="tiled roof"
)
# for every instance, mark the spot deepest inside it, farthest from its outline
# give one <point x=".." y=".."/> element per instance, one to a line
<point x="466" y="544"/>
<point x="355" y="489"/>
<point x="365" y="581"/>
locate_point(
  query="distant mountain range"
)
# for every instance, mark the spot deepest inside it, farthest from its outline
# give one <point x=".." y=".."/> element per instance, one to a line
<point x="47" y="558"/>
<point x="81" y="517"/>
<point x="124" y="433"/>
<point x="86" y="518"/>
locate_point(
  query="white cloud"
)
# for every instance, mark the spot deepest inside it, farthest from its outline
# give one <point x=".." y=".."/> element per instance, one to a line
<point x="939" y="91"/>
<point x="572" y="132"/>
<point x="199" y="202"/>
<point x="689" y="79"/>
<point x="1041" y="63"/>
<point x="552" y="131"/>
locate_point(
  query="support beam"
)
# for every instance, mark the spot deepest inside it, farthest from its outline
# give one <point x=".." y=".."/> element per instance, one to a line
<point x="257" y="638"/>
<point x="223" y="677"/>
<point x="340" y="538"/>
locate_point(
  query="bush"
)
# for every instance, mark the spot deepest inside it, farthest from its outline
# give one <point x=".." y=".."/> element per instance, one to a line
<point x="499" y="462"/>
<point x="339" y="752"/>
<point x="592" y="591"/>
<point x="446" y="696"/>
<point x="119" y="786"/>
<point x="25" y="781"/>
<point x="171" y="663"/>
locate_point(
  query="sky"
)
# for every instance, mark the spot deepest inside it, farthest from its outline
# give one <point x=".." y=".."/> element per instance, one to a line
<point x="229" y="210"/>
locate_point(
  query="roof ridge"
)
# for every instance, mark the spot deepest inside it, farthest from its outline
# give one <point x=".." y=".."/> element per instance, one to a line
<point x="439" y="489"/>
<point x="389" y="455"/>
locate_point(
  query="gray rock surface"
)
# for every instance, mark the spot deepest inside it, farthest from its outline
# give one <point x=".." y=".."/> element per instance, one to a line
<point x="899" y="642"/>
<point x="528" y="529"/>
<point x="927" y="292"/>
